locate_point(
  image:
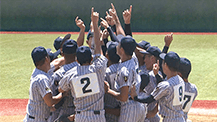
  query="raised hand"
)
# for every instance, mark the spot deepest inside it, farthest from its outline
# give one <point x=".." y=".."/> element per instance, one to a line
<point x="94" y="16"/>
<point x="156" y="67"/>
<point x="109" y="19"/>
<point x="105" y="34"/>
<point x="113" y="13"/>
<point x="104" y="23"/>
<point x="79" y="23"/>
<point x="127" y="15"/>
<point x="168" y="39"/>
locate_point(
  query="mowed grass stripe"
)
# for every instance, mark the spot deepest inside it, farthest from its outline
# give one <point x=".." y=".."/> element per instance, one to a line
<point x="16" y="64"/>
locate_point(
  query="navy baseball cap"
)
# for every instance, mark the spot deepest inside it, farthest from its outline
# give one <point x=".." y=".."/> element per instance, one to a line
<point x="128" y="44"/>
<point x="66" y="37"/>
<point x="83" y="54"/>
<point x="172" y="59"/>
<point x="38" y="53"/>
<point x="57" y="42"/>
<point x="185" y="67"/>
<point x="144" y="80"/>
<point x="52" y="55"/>
<point x="152" y="50"/>
<point x="112" y="51"/>
<point x="70" y="46"/>
<point x="143" y="44"/>
<point x="89" y="34"/>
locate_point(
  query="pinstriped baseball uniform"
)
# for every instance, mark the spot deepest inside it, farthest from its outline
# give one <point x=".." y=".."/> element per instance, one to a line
<point x="131" y="111"/>
<point x="169" y="95"/>
<point x="36" y="107"/>
<point x="142" y="69"/>
<point x="109" y="101"/>
<point x="67" y="107"/>
<point x="189" y="97"/>
<point x="149" y="89"/>
<point x="87" y="75"/>
<point x="136" y="62"/>
<point x="51" y="71"/>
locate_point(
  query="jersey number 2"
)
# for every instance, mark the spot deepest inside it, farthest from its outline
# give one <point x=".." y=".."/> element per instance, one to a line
<point x="84" y="89"/>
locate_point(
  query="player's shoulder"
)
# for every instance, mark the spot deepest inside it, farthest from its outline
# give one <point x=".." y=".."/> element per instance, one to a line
<point x="111" y="69"/>
<point x="59" y="71"/>
<point x="163" y="84"/>
<point x="99" y="58"/>
<point x="191" y="86"/>
<point x="71" y="71"/>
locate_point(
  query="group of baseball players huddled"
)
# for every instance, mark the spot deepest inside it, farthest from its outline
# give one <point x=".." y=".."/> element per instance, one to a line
<point x="109" y="81"/>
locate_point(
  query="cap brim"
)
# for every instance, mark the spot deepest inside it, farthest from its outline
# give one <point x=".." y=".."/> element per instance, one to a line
<point x="162" y="55"/>
<point x="119" y="37"/>
<point x="144" y="52"/>
<point x="111" y="43"/>
<point x="66" y="37"/>
<point x="48" y="50"/>
<point x="56" y="53"/>
<point x="138" y="45"/>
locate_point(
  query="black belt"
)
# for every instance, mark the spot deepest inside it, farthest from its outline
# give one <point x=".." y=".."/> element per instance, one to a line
<point x="32" y="117"/>
<point x="163" y="116"/>
<point x="95" y="112"/>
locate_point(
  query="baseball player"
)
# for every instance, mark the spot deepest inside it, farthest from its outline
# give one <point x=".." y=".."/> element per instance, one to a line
<point x="69" y="53"/>
<point x="86" y="82"/>
<point x="190" y="89"/>
<point x="169" y="93"/>
<point x="112" y="106"/>
<point x="150" y="58"/>
<point x="40" y="96"/>
<point x="131" y="111"/>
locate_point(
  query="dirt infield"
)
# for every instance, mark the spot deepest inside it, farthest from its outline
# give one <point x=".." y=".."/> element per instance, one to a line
<point x="14" y="110"/>
<point x="134" y="33"/>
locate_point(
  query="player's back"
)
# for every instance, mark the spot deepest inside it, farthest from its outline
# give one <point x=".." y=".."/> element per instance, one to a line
<point x="170" y="96"/>
<point x="111" y="72"/>
<point x="38" y="88"/>
<point x="58" y="75"/>
<point x="109" y="101"/>
<point x="87" y="84"/>
<point x="189" y="97"/>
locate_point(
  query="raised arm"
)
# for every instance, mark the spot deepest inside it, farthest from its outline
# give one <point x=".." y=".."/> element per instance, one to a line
<point x="119" y="28"/>
<point x="156" y="69"/>
<point x="95" y="19"/>
<point x="167" y="39"/>
<point x="105" y="24"/>
<point x="81" y="25"/>
<point x="127" y="18"/>
<point x="134" y="96"/>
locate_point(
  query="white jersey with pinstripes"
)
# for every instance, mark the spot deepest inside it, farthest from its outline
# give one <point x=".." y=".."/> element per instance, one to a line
<point x="189" y="97"/>
<point x="90" y="102"/>
<point x="142" y="69"/>
<point x="39" y="87"/>
<point x="111" y="72"/>
<point x="149" y="89"/>
<point x="169" y="95"/>
<point x="57" y="76"/>
<point x="127" y="75"/>
<point x="109" y="101"/>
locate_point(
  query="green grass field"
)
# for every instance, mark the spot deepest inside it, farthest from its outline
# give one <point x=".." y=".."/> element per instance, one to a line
<point x="16" y="64"/>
